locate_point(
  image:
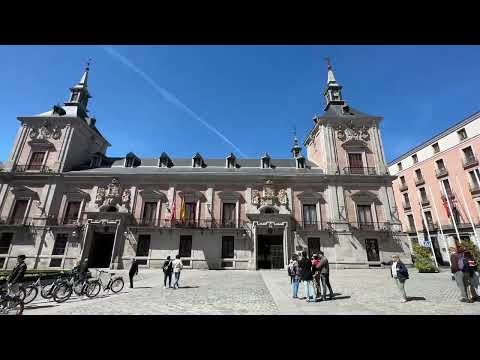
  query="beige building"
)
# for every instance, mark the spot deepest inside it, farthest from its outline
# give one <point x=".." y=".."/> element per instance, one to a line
<point x="63" y="199"/>
<point x="438" y="188"/>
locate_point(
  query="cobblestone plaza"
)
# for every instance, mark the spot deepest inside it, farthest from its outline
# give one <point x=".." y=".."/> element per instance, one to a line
<point x="230" y="292"/>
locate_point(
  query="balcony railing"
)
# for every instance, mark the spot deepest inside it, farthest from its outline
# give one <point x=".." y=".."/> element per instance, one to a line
<point x="359" y="171"/>
<point x="419" y="181"/>
<point x="406" y="205"/>
<point x="186" y="224"/>
<point x="11" y="221"/>
<point x="42" y="169"/>
<point x="441" y="172"/>
<point x="425" y="202"/>
<point x="312" y="225"/>
<point x="469" y="162"/>
<point x="403" y="187"/>
<point x="474" y="189"/>
<point x="371" y="226"/>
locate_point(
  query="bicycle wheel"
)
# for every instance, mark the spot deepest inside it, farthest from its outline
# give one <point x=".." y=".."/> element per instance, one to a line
<point x="18" y="308"/>
<point x="93" y="288"/>
<point x="47" y="292"/>
<point x="78" y="287"/>
<point x="31" y="293"/>
<point x="117" y="285"/>
<point x="62" y="292"/>
<point x="21" y="293"/>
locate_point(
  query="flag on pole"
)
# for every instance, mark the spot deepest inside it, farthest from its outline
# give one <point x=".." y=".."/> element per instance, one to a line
<point x="173" y="210"/>
<point x="182" y="211"/>
<point x="445" y="206"/>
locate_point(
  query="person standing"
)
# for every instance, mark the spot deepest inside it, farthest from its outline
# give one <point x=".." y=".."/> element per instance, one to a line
<point x="295" y="276"/>
<point x="472" y="280"/>
<point x="15" y="279"/>
<point x="458" y="269"/>
<point x="167" y="272"/>
<point x="305" y="266"/>
<point x="177" y="268"/>
<point x="399" y="273"/>
<point x="133" y="271"/>
<point x="325" y="276"/>
<point x="316" y="277"/>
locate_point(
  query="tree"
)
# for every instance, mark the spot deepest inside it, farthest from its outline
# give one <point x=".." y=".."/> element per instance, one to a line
<point x="470" y="246"/>
<point x="423" y="259"/>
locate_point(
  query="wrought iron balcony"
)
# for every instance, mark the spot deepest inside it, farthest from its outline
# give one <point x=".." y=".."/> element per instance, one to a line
<point x="406" y="205"/>
<point x="185" y="224"/>
<point x="419" y="181"/>
<point x="440" y="172"/>
<point x="371" y="226"/>
<point x="425" y="202"/>
<point x="474" y="189"/>
<point x="310" y="225"/>
<point x="360" y="171"/>
<point x="469" y="162"/>
<point x="403" y="187"/>
<point x="14" y="221"/>
<point x="42" y="169"/>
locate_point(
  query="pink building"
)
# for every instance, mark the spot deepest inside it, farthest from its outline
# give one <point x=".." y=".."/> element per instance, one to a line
<point x="445" y="164"/>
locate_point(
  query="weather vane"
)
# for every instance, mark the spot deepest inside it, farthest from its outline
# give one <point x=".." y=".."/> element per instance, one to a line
<point x="88" y="63"/>
<point x="327" y="59"/>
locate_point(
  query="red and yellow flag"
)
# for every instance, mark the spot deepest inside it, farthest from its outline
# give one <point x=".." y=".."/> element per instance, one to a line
<point x="183" y="211"/>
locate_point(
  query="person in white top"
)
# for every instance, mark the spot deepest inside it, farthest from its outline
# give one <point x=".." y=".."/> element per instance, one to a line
<point x="399" y="274"/>
<point x="177" y="268"/>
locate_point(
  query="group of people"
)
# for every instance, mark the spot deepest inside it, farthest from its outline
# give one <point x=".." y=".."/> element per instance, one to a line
<point x="464" y="271"/>
<point x="169" y="267"/>
<point x="315" y="275"/>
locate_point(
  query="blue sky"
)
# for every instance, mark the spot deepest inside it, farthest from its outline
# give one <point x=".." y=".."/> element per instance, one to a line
<point x="219" y="99"/>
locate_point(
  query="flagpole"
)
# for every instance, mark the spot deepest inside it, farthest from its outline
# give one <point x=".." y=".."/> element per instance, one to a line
<point x="468" y="212"/>
<point x="426" y="227"/>
<point x="439" y="223"/>
<point x="450" y="208"/>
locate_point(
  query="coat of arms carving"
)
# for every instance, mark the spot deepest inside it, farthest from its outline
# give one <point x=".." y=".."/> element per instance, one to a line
<point x="112" y="194"/>
<point x="351" y="131"/>
<point x="46" y="131"/>
<point x="269" y="196"/>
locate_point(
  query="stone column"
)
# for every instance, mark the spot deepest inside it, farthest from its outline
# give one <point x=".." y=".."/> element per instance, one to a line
<point x="285" y="245"/>
<point x="254" y="238"/>
<point x="386" y="203"/>
<point x="18" y="145"/>
<point x="209" y="196"/>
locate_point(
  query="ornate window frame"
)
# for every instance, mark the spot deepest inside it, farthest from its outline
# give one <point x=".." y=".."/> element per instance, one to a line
<point x="230" y="197"/>
<point x="312" y="198"/>
<point x="22" y="193"/>
<point x="363" y="197"/>
<point x="72" y="196"/>
<point x="157" y="196"/>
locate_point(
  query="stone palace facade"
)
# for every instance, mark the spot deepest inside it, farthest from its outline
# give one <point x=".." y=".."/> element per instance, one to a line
<point x="62" y="199"/>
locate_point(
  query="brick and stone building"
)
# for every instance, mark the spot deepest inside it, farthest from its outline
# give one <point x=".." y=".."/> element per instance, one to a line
<point x="62" y="199"/>
<point x="444" y="166"/>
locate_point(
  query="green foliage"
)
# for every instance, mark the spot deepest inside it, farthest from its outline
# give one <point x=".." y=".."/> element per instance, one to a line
<point x="423" y="259"/>
<point x="470" y="246"/>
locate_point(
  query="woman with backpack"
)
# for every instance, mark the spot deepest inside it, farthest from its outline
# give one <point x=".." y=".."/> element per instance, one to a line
<point x="167" y="272"/>
<point x="472" y="277"/>
<point x="294" y="276"/>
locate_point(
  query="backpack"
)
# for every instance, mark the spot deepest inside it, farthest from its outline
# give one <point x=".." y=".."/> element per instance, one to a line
<point x="290" y="270"/>
<point x="166" y="266"/>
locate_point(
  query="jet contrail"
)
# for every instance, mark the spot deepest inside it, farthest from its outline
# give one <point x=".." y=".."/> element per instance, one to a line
<point x="168" y="96"/>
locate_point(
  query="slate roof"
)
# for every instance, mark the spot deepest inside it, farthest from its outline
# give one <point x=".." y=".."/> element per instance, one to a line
<point x="335" y="111"/>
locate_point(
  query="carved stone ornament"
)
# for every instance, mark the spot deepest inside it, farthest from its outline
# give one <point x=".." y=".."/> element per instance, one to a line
<point x="269" y="196"/>
<point x="112" y="195"/>
<point x="350" y="131"/>
<point x="45" y="132"/>
<point x="34" y="133"/>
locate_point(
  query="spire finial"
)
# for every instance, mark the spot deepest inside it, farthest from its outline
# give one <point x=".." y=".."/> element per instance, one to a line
<point x="295" y="139"/>
<point x="329" y="65"/>
<point x="87" y="67"/>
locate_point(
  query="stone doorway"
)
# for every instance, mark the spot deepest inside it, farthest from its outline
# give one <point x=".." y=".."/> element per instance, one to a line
<point x="270" y="252"/>
<point x="101" y="249"/>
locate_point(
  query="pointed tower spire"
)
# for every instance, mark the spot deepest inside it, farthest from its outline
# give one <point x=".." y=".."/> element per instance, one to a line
<point x="296" y="149"/>
<point x="79" y="93"/>
<point x="333" y="92"/>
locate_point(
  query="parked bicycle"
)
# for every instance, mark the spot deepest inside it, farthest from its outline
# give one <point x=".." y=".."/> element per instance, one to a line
<point x="115" y="284"/>
<point x="80" y="285"/>
<point x="10" y="304"/>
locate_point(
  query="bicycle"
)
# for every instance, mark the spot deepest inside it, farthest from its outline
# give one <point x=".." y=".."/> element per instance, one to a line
<point x="47" y="291"/>
<point x="21" y="291"/>
<point x="115" y="284"/>
<point x="64" y="289"/>
<point x="10" y="303"/>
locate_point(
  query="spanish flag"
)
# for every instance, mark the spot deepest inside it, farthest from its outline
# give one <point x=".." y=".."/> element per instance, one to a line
<point x="173" y="210"/>
<point x="183" y="211"/>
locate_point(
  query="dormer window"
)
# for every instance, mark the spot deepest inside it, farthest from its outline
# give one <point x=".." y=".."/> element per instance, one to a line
<point x="75" y="96"/>
<point x="265" y="164"/>
<point x="231" y="161"/>
<point x="197" y="161"/>
<point x="436" y="148"/>
<point x="462" y="134"/>
<point x="131" y="160"/>
<point x="300" y="162"/>
<point x="164" y="161"/>
<point x="96" y="161"/>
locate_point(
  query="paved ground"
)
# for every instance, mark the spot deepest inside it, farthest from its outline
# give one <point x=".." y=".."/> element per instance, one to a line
<point x="267" y="293"/>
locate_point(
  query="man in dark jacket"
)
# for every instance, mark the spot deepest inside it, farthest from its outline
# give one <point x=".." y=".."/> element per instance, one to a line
<point x="458" y="268"/>
<point x="399" y="273"/>
<point x="324" y="270"/>
<point x="167" y="272"/>
<point x="15" y="278"/>
<point x="305" y="268"/>
<point x="133" y="271"/>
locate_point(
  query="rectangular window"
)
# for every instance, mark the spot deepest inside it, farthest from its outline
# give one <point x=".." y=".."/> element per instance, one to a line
<point x="36" y="161"/>
<point x="364" y="216"/>
<point x="402" y="180"/>
<point x="400" y="167"/>
<point x="227" y="247"/>
<point x="428" y="217"/>
<point x="5" y="242"/>
<point x="71" y="214"/>
<point x="149" y="213"/>
<point x="468" y="153"/>
<point x="229" y="215"/>
<point x="143" y="248"/>
<point x="356" y="163"/>
<point x="309" y="214"/>
<point x="415" y="158"/>
<point x="190" y="208"/>
<point x="59" y="249"/>
<point x="436" y="148"/>
<point x="185" y="246"/>
<point x="418" y="173"/>
<point x="462" y="134"/>
<point x="440" y="164"/>
<point x="411" y="223"/>
<point x="313" y="246"/>
<point x="423" y="195"/>
<point x="448" y="189"/>
<point x="473" y="179"/>
<point x="18" y="213"/>
<point x="406" y="199"/>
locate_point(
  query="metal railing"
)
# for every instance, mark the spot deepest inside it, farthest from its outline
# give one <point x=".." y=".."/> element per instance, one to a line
<point x="371" y="226"/>
<point x="474" y="189"/>
<point x="14" y="221"/>
<point x="42" y="169"/>
<point x="441" y="172"/>
<point x="419" y="181"/>
<point x="403" y="187"/>
<point x="312" y="225"/>
<point x="425" y="202"/>
<point x="406" y="205"/>
<point x="186" y="224"/>
<point x="469" y="161"/>
<point x="359" y="171"/>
